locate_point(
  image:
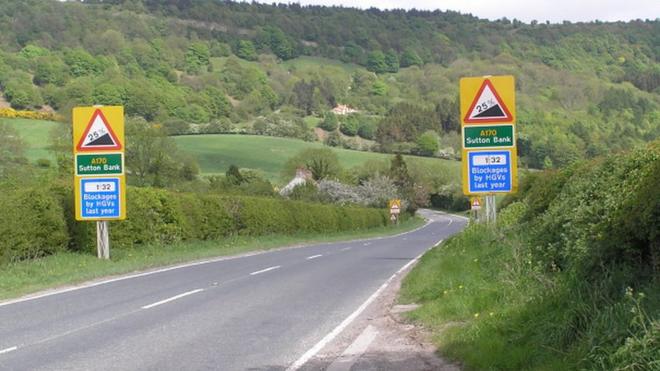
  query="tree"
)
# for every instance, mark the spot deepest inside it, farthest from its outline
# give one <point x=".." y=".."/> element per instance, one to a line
<point x="350" y="125"/>
<point x="197" y="57"/>
<point x="410" y="58"/>
<point x="399" y="172"/>
<point x="329" y="122"/>
<point x="233" y="175"/>
<point x="246" y="50"/>
<point x="152" y="158"/>
<point x="427" y="143"/>
<point x="323" y="163"/>
<point x="376" y="62"/>
<point x="392" y="61"/>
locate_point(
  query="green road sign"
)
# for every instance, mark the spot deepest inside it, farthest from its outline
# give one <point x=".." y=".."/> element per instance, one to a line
<point x="99" y="164"/>
<point x="488" y="136"/>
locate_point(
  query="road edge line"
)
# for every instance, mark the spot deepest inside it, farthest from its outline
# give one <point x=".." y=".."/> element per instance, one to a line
<point x="348" y="320"/>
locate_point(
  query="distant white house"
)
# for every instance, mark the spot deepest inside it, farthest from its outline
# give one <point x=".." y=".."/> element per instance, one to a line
<point x="343" y="109"/>
<point x="302" y="177"/>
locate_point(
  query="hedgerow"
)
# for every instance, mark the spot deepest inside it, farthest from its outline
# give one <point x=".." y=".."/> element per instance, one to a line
<point x="41" y="223"/>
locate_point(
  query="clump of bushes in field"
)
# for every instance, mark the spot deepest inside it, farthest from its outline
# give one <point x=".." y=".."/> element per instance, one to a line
<point x="569" y="279"/>
<point x="41" y="221"/>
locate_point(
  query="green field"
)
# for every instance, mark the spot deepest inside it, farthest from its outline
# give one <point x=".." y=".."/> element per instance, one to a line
<point x="35" y="134"/>
<point x="268" y="155"/>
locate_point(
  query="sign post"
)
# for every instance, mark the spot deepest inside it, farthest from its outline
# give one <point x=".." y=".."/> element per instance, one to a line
<point x="99" y="179"/>
<point x="488" y="122"/>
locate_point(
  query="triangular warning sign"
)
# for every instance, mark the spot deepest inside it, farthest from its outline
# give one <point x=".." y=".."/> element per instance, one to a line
<point x="487" y="106"/>
<point x="98" y="135"/>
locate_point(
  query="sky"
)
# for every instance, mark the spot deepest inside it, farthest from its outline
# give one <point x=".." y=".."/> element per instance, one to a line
<point x="525" y="10"/>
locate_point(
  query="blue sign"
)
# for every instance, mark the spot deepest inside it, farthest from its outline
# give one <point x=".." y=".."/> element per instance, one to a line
<point x="99" y="198"/>
<point x="489" y="171"/>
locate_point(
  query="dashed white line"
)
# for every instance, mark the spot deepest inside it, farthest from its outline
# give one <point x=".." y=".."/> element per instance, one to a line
<point x="366" y="244"/>
<point x="172" y="299"/>
<point x="3" y="351"/>
<point x="450" y="221"/>
<point x="345" y="249"/>
<point x="313" y="257"/>
<point x="265" y="270"/>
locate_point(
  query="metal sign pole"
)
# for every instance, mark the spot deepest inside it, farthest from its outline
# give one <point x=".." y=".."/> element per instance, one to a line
<point x="103" y="239"/>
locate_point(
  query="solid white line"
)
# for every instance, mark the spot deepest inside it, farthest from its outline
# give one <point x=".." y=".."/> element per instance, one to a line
<point x="313" y="257"/>
<point x="8" y="350"/>
<point x="346" y="322"/>
<point x="439" y="242"/>
<point x="172" y="299"/>
<point x="265" y="270"/>
<point x="185" y="265"/>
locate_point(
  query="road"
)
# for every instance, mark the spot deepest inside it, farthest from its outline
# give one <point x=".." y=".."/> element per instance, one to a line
<point x="266" y="311"/>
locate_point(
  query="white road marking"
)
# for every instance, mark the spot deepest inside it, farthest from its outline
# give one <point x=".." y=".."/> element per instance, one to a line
<point x="439" y="242"/>
<point x="172" y="298"/>
<point x="52" y="292"/>
<point x="450" y="221"/>
<point x="346" y="322"/>
<point x="265" y="270"/>
<point x="3" y="351"/>
<point x="313" y="257"/>
<point x="366" y="244"/>
<point x="345" y="249"/>
<point x="354" y="351"/>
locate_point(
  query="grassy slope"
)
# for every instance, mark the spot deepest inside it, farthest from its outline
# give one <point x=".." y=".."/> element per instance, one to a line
<point x="268" y="154"/>
<point x="35" y="134"/>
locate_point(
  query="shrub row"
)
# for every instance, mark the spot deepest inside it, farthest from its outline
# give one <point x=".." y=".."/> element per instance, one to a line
<point x="34" y="115"/>
<point x="40" y="222"/>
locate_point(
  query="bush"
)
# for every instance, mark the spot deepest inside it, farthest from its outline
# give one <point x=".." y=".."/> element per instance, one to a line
<point x="349" y="126"/>
<point x="31" y="224"/>
<point x="41" y="222"/>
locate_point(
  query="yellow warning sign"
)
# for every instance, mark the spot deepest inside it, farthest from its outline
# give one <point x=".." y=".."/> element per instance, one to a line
<point x="98" y="149"/>
<point x="488" y="99"/>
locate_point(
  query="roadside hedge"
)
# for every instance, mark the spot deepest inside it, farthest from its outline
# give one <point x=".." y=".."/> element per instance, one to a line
<point x="37" y="223"/>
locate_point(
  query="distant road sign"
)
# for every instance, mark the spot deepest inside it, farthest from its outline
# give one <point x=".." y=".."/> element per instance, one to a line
<point x="488" y="136"/>
<point x="395" y="206"/>
<point x="489" y="172"/>
<point x="475" y="203"/>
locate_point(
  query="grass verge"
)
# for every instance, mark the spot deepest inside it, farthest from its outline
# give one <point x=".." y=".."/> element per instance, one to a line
<point x="68" y="268"/>
<point x="490" y="307"/>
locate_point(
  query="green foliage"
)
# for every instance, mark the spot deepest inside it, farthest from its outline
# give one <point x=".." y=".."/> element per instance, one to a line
<point x="322" y="162"/>
<point x="246" y="50"/>
<point x="376" y="62"/>
<point x="329" y="122"/>
<point x="392" y="61"/>
<point x="410" y="58"/>
<point x="32" y="224"/>
<point x="197" y="57"/>
<point x="349" y="125"/>
<point x="567" y="280"/>
<point x="428" y="143"/>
